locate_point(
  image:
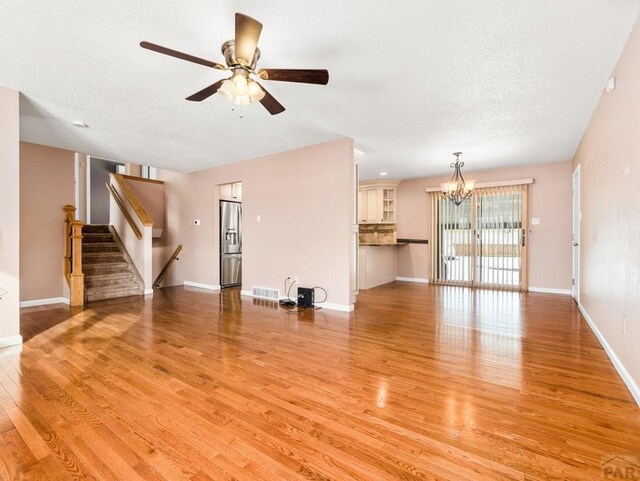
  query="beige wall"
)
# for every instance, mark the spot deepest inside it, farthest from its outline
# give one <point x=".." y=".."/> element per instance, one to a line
<point x="46" y="186"/>
<point x="609" y="158"/>
<point x="305" y="200"/>
<point x="549" y="242"/>
<point x="9" y="217"/>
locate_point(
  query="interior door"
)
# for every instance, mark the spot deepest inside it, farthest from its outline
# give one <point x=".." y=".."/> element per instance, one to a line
<point x="575" y="237"/>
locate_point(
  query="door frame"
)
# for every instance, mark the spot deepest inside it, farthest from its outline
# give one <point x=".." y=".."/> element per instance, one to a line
<point x="576" y="219"/>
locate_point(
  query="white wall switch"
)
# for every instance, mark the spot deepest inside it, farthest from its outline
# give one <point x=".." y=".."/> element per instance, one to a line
<point x="535" y="221"/>
<point x="258" y="218"/>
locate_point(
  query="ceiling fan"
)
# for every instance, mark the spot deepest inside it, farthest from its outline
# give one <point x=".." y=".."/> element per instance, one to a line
<point x="241" y="56"/>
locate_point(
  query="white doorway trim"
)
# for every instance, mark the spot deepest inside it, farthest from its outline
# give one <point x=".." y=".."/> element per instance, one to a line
<point x="88" y="190"/>
<point x="575" y="236"/>
<point x="76" y="183"/>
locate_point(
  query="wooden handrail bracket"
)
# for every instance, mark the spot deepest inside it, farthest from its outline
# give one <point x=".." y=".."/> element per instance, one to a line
<point x="124" y="210"/>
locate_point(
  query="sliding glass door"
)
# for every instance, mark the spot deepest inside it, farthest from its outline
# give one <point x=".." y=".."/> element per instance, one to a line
<point x="452" y="241"/>
<point x="481" y="242"/>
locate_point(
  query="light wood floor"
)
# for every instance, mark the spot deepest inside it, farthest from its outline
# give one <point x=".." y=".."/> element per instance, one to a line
<point x="421" y="382"/>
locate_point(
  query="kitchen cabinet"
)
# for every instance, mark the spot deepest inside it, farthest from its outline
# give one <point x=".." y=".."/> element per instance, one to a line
<point x="377" y="202"/>
<point x="231" y="191"/>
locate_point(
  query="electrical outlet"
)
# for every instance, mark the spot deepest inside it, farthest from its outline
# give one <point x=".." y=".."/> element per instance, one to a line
<point x="295" y="278"/>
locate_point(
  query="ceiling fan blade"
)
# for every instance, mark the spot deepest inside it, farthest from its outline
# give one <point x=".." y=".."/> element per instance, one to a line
<point x="270" y="103"/>
<point x="181" y="55"/>
<point x="320" y="77"/>
<point x="247" y="35"/>
<point x="206" y="92"/>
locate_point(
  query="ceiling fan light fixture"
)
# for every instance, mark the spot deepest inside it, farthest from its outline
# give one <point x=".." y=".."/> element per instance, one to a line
<point x="240" y="83"/>
<point x="226" y="90"/>
<point x="255" y="92"/>
<point x="241" y="90"/>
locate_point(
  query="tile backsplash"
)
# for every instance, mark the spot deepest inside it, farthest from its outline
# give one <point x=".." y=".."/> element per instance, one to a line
<point x="378" y="234"/>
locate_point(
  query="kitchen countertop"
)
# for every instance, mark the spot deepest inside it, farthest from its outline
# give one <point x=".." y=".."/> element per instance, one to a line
<point x="381" y="245"/>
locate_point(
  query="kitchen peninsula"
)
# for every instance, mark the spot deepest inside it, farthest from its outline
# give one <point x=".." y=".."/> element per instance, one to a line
<point x="377" y="255"/>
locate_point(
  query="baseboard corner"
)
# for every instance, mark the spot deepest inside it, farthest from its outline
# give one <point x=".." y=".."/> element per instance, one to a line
<point x="628" y="380"/>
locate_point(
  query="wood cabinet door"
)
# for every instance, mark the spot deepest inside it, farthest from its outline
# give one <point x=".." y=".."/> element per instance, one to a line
<point x="226" y="191"/>
<point x="236" y="190"/>
<point x="362" y="206"/>
<point x="374" y="205"/>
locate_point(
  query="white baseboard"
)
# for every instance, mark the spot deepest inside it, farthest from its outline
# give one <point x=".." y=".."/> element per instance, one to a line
<point x="44" y="302"/>
<point x="413" y="279"/>
<point x="547" y="290"/>
<point x="209" y="287"/>
<point x="10" y="341"/>
<point x="148" y="292"/>
<point x="325" y="305"/>
<point x="336" y="307"/>
<point x="631" y="384"/>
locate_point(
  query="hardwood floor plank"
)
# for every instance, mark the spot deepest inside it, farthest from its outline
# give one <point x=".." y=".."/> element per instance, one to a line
<point x="419" y="383"/>
<point x="9" y="461"/>
<point x="28" y="433"/>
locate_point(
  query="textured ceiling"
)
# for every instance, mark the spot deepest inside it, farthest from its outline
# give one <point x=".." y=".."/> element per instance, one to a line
<point x="507" y="82"/>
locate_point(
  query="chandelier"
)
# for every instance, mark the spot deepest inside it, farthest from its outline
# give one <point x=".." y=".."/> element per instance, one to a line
<point x="457" y="190"/>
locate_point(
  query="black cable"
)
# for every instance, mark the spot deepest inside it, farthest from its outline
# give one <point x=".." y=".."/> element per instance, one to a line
<point x="297" y="308"/>
<point x="285" y="284"/>
<point x="289" y="290"/>
<point x="325" y="293"/>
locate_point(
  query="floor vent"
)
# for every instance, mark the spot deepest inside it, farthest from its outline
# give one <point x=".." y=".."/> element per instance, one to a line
<point x="266" y="293"/>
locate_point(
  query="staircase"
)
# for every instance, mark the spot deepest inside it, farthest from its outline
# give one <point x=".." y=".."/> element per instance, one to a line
<point x="108" y="270"/>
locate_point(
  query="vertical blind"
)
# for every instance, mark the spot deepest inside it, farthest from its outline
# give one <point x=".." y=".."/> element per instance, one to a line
<point x="481" y="241"/>
<point x="452" y="234"/>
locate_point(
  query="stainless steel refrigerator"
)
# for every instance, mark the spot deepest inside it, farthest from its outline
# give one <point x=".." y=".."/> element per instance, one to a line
<point x="230" y="244"/>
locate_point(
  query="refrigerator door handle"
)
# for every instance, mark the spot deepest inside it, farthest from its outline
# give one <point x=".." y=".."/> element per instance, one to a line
<point x="239" y="241"/>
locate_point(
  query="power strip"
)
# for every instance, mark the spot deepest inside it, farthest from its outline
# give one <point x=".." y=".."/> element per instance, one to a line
<point x="287" y="303"/>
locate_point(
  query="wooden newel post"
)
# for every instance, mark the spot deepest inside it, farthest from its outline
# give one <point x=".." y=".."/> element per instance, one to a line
<point x="77" y="276"/>
<point x="73" y="256"/>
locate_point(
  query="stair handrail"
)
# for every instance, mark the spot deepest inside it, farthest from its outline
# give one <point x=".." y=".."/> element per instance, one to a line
<point x="165" y="269"/>
<point x="124" y="210"/>
<point x="137" y="241"/>
<point x="132" y="199"/>
<point x="73" y="256"/>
